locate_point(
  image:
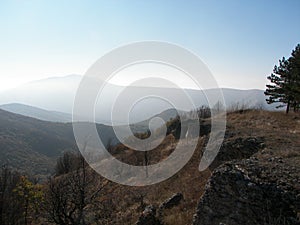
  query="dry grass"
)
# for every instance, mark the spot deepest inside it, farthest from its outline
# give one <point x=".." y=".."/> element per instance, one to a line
<point x="282" y="138"/>
<point x="277" y="127"/>
<point x="189" y="181"/>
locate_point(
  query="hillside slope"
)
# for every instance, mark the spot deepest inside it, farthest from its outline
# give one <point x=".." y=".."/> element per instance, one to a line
<point x="32" y="145"/>
<point x="253" y="180"/>
<point x="262" y="188"/>
<point x="270" y="139"/>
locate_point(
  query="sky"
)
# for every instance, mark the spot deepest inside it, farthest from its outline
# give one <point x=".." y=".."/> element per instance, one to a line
<point x="240" y="41"/>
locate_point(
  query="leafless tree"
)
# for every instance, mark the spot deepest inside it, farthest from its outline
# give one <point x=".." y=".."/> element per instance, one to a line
<point x="69" y="195"/>
<point x="67" y="163"/>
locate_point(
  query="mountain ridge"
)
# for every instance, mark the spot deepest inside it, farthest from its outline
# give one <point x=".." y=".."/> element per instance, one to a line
<point x="36" y="112"/>
<point x="58" y="94"/>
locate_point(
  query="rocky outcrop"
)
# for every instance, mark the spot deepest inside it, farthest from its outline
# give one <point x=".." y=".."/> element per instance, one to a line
<point x="151" y="216"/>
<point x="171" y="202"/>
<point x="168" y="204"/>
<point x="244" y="192"/>
<point x="238" y="148"/>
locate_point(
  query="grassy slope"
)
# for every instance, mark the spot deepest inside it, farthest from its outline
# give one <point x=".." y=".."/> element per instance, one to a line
<point x="282" y="138"/>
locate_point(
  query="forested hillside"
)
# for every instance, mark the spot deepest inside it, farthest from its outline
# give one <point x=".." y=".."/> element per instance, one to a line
<point x="32" y="145"/>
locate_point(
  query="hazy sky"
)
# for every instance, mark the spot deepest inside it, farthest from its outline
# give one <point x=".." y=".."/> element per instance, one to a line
<point x="240" y="41"/>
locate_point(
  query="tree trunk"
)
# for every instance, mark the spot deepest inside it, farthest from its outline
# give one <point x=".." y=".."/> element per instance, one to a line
<point x="26" y="211"/>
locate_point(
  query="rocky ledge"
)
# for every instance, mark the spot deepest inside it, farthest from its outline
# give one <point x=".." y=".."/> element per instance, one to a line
<point x="251" y="191"/>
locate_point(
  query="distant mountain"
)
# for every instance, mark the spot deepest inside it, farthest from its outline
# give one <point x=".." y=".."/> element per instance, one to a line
<point x="36" y="112"/>
<point x="54" y="94"/>
<point x="58" y="93"/>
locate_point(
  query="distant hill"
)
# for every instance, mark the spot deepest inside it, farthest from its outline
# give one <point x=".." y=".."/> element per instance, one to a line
<point x="58" y="93"/>
<point x="36" y="112"/>
<point x="54" y="94"/>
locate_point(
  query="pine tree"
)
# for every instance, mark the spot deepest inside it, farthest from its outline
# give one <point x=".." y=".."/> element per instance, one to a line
<point x="285" y="79"/>
<point x="277" y="91"/>
<point x="295" y="73"/>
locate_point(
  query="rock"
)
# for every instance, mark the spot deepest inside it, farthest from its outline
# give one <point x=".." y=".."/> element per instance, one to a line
<point x="148" y="217"/>
<point x="171" y="202"/>
<point x="242" y="192"/>
<point x="238" y="148"/>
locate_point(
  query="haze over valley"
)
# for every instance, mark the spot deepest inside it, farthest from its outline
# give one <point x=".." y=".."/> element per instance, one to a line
<point x="57" y="95"/>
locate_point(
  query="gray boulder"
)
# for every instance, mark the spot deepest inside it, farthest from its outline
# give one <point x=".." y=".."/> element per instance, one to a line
<point x="244" y="193"/>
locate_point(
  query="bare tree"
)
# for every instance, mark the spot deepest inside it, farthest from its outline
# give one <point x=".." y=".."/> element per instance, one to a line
<point x="67" y="163"/>
<point x="69" y="195"/>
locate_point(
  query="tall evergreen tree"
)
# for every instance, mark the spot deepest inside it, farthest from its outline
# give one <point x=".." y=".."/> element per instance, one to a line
<point x="295" y="74"/>
<point x="277" y="91"/>
<point x="285" y="82"/>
